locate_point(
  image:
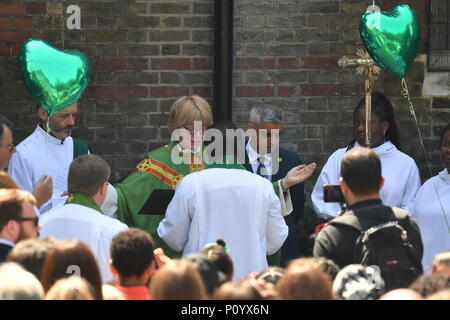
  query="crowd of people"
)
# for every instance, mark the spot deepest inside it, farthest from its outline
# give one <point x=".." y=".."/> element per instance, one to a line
<point x="229" y="230"/>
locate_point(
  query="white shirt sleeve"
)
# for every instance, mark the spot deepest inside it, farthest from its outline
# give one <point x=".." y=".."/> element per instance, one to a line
<point x="21" y="172"/>
<point x="413" y="184"/>
<point x="110" y="204"/>
<point x="285" y="200"/>
<point x="277" y="230"/>
<point x="328" y="175"/>
<point x="174" y="228"/>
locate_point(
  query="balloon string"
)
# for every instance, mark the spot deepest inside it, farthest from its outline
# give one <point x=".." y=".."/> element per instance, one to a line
<point x="405" y="94"/>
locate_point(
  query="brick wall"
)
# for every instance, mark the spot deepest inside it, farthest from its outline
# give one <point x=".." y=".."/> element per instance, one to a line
<point x="145" y="54"/>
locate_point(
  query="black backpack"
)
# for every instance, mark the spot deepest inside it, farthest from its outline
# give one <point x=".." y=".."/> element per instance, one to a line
<point x="387" y="246"/>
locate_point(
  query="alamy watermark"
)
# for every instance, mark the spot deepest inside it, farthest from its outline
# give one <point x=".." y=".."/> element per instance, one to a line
<point x="225" y="147"/>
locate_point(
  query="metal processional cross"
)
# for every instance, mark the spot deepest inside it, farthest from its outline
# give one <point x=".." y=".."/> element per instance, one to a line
<point x="364" y="65"/>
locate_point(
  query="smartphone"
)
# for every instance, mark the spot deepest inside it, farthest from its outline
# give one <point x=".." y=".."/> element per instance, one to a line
<point x="333" y="193"/>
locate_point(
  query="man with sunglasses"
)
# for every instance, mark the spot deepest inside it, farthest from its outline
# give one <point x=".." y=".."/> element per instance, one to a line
<point x="7" y="147"/>
<point x="18" y="220"/>
<point x="42" y="191"/>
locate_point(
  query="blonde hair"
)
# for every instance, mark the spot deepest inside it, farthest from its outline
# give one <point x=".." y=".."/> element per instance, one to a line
<point x="72" y="288"/>
<point x="188" y="109"/>
<point x="111" y="293"/>
<point x="18" y="284"/>
<point x="177" y="280"/>
<point x="440" y="259"/>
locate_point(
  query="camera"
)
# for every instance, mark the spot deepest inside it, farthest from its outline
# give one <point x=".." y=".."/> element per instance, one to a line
<point x="333" y="193"/>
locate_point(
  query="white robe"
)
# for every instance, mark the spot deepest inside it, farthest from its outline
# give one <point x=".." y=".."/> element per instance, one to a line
<point x="236" y="205"/>
<point x="40" y="154"/>
<point x="74" y="221"/>
<point x="431" y="216"/>
<point x="400" y="172"/>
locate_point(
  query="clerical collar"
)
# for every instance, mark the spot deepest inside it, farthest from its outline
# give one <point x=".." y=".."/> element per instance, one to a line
<point x="49" y="137"/>
<point x="254" y="156"/>
<point x="184" y="150"/>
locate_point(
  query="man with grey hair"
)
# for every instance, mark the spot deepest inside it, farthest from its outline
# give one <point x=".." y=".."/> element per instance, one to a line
<point x="265" y="157"/>
<point x="81" y="217"/>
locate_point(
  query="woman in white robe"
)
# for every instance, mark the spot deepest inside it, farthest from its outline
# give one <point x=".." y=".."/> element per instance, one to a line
<point x="400" y="172"/>
<point x="432" y="207"/>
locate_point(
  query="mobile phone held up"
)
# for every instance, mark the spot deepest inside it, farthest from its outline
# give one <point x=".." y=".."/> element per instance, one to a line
<point x="333" y="193"/>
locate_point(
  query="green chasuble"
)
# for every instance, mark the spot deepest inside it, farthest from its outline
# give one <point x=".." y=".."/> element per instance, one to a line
<point x="157" y="171"/>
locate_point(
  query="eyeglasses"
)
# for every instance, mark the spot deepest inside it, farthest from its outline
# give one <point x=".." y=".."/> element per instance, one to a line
<point x="35" y="220"/>
<point x="195" y="130"/>
<point x="10" y="147"/>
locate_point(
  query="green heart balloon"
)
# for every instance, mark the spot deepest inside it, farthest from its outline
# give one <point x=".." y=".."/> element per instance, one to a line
<point x="392" y="37"/>
<point x="55" y="79"/>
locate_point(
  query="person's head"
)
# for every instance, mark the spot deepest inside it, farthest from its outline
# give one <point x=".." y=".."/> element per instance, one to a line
<point x="71" y="257"/>
<point x="329" y="267"/>
<point x="216" y="252"/>
<point x="18" y="284"/>
<point x="7" y="147"/>
<point x="62" y="122"/>
<point x="271" y="274"/>
<point x="89" y="174"/>
<point x="31" y="254"/>
<point x="207" y="270"/>
<point x="358" y="282"/>
<point x="401" y="294"/>
<point x="440" y="295"/>
<point x="441" y="263"/>
<point x="112" y="293"/>
<point x="239" y="290"/>
<point x="304" y="280"/>
<point x="267" y="121"/>
<point x="191" y="115"/>
<point x="72" y="288"/>
<point x="429" y="284"/>
<point x="18" y="220"/>
<point x="177" y="280"/>
<point x="7" y="182"/>
<point x="132" y="256"/>
<point x="445" y="147"/>
<point x="384" y="127"/>
<point x="360" y="174"/>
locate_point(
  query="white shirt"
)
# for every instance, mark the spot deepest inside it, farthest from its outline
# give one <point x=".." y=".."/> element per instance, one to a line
<point x="40" y="154"/>
<point x="432" y="213"/>
<point x="7" y="242"/>
<point x="236" y="205"/>
<point x="255" y="159"/>
<point x="74" y="221"/>
<point x="400" y="172"/>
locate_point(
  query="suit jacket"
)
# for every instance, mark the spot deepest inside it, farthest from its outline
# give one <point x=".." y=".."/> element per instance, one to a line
<point x="288" y="160"/>
<point x="4" y="250"/>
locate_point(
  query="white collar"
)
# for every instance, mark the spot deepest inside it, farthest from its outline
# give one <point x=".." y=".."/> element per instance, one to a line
<point x="187" y="150"/>
<point x="444" y="175"/>
<point x="7" y="242"/>
<point x="47" y="137"/>
<point x="385" y="148"/>
<point x="253" y="156"/>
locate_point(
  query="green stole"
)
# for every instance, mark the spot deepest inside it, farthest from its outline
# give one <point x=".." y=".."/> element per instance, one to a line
<point x="83" y="200"/>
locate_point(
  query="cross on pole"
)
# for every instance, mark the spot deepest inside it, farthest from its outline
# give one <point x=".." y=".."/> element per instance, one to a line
<point x="364" y="64"/>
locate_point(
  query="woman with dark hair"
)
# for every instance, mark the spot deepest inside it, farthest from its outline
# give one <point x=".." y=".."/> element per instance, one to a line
<point x="432" y="207"/>
<point x="69" y="258"/>
<point x="402" y="179"/>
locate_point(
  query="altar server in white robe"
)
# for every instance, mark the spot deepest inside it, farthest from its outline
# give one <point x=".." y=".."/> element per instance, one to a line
<point x="81" y="218"/>
<point x="235" y="205"/>
<point x="400" y="172"/>
<point x="432" y="207"/>
<point x="42" y="154"/>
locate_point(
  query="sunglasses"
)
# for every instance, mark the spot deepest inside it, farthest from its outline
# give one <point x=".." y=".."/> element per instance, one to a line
<point x="10" y="147"/>
<point x="35" y="220"/>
